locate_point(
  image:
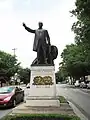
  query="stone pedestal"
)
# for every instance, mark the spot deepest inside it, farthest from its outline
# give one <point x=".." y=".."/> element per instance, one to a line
<point x="42" y="93"/>
<point x="42" y="90"/>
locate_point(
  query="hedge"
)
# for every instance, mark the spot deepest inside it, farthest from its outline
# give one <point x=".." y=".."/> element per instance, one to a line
<point x="40" y="117"/>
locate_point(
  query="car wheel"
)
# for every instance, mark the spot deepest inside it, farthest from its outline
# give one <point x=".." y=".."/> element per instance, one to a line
<point x="14" y="103"/>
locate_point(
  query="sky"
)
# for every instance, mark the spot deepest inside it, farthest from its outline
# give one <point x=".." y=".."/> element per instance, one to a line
<point x="55" y="16"/>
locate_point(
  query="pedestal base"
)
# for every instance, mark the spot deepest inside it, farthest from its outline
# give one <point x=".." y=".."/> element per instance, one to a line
<point x="42" y="87"/>
<point x="42" y="90"/>
<point x="43" y="103"/>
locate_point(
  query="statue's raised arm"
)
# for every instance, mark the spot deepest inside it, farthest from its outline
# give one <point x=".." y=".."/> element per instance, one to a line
<point x="28" y="29"/>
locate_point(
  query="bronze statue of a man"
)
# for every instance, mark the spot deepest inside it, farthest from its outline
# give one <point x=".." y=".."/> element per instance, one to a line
<point x="41" y="40"/>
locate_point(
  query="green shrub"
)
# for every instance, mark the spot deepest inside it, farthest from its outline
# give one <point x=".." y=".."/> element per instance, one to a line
<point x="62" y="99"/>
<point x="40" y="117"/>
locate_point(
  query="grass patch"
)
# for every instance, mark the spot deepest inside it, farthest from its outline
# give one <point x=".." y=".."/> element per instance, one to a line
<point x="62" y="99"/>
<point x="40" y="117"/>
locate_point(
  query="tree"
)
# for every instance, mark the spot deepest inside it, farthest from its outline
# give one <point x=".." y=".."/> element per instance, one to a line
<point x="8" y="65"/>
<point x="62" y="74"/>
<point x="74" y="61"/>
<point x="81" y="28"/>
<point x="58" y="76"/>
<point x="76" y="57"/>
<point x="24" y="75"/>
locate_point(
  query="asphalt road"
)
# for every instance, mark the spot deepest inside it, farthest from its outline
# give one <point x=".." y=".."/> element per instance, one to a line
<point x="79" y="97"/>
<point x="4" y="112"/>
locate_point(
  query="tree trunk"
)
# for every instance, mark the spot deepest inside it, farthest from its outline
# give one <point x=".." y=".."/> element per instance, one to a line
<point x="84" y="78"/>
<point x="71" y="80"/>
<point x="1" y="84"/>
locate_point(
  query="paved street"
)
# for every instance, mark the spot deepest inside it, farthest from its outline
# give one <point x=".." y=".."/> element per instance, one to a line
<point x="80" y="98"/>
<point x="4" y="112"/>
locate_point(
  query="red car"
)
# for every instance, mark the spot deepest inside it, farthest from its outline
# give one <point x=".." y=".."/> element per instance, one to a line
<point x="10" y="96"/>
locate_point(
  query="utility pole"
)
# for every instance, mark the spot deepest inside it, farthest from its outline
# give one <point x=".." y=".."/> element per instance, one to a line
<point x="14" y="50"/>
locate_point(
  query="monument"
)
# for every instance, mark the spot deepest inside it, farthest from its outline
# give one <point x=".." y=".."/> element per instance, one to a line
<point x="42" y="80"/>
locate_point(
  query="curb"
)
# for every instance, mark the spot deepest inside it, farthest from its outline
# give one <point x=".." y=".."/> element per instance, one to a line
<point x="77" y="111"/>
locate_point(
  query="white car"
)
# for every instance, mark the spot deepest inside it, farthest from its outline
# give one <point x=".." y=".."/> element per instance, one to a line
<point x="77" y="84"/>
<point x="83" y="85"/>
<point x="88" y="85"/>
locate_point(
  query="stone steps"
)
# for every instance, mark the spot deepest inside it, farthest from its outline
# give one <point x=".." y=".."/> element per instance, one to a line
<point x="62" y="109"/>
<point x="43" y="102"/>
<point x="41" y="98"/>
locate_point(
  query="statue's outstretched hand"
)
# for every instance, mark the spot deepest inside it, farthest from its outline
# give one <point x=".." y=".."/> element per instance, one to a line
<point x="24" y="24"/>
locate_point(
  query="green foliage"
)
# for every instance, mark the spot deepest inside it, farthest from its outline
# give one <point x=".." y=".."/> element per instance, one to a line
<point x="76" y="57"/>
<point x="8" y="65"/>
<point x="74" y="61"/>
<point x="82" y="26"/>
<point x="24" y="75"/>
<point x="62" y="99"/>
<point x="40" y="117"/>
<point x="60" y="76"/>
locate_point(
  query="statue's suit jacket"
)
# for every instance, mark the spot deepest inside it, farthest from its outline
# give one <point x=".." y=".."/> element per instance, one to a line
<point x="41" y="37"/>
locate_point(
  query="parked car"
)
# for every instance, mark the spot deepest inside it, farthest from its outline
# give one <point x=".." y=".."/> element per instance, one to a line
<point x="88" y="85"/>
<point x="77" y="83"/>
<point x="11" y="96"/>
<point x="83" y="85"/>
<point x="28" y="85"/>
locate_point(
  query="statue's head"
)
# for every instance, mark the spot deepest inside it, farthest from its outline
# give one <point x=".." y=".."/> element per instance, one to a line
<point x="40" y="24"/>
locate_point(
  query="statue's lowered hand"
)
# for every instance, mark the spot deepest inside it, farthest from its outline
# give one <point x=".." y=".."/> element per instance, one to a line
<point x="24" y="24"/>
